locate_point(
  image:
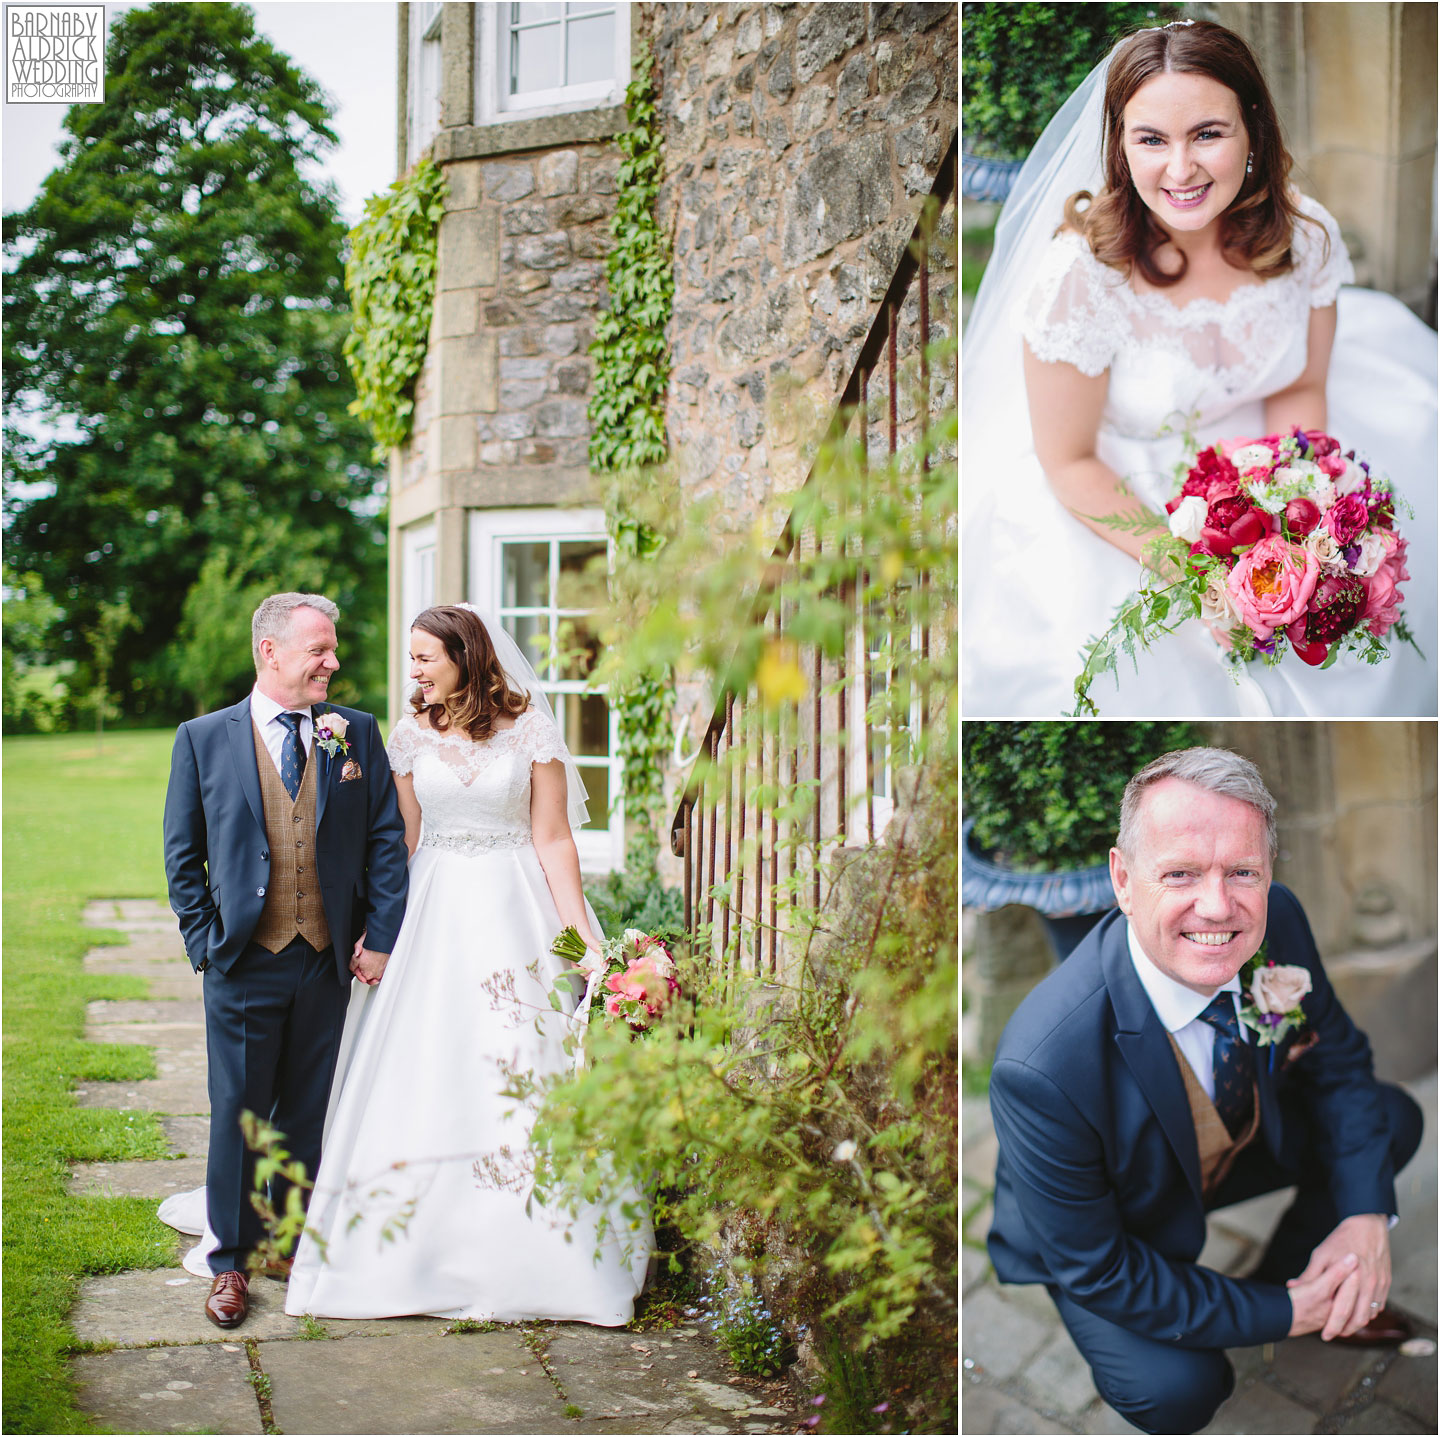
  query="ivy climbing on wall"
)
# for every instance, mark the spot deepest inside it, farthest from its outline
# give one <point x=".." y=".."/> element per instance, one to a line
<point x="627" y="425"/>
<point x="390" y="276"/>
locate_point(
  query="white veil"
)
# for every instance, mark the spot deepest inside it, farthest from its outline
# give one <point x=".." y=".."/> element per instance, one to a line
<point x="520" y="673"/>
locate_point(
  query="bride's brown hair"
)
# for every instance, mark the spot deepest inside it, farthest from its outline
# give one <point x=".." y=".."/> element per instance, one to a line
<point x="1257" y="230"/>
<point x="482" y="693"/>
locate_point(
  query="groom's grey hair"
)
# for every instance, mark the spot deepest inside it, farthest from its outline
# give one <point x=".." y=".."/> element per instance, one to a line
<point x="273" y="618"/>
<point x="1215" y="769"/>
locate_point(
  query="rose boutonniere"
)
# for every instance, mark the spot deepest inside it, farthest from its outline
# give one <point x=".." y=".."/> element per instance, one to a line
<point x="330" y="730"/>
<point x="1274" y="991"/>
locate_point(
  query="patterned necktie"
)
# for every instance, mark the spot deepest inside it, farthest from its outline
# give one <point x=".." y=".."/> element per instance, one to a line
<point x="292" y="755"/>
<point x="1234" y="1065"/>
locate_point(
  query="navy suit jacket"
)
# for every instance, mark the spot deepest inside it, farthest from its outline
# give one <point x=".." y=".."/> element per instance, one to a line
<point x="217" y="857"/>
<point x="1097" y="1187"/>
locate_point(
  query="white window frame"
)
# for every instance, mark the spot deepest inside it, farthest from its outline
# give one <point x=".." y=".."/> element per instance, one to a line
<point x="422" y="85"/>
<point x="417" y="588"/>
<point x="601" y="850"/>
<point x="494" y="102"/>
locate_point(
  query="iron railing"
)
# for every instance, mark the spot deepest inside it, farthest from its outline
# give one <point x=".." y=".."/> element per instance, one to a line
<point x="743" y="859"/>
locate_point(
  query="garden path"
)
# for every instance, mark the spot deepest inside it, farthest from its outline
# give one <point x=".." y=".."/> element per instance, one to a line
<point x="1023" y="1373"/>
<point x="152" y="1362"/>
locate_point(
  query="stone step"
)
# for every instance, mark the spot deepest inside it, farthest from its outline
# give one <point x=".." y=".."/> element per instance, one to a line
<point x="166" y="1095"/>
<point x="169" y="1389"/>
<point x="1392" y="991"/>
<point x="188" y="1137"/>
<point x="167" y="1305"/>
<point x="137" y="1179"/>
<point x="105" y="1011"/>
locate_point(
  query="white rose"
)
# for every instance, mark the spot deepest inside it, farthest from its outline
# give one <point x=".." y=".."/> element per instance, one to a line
<point x="1279" y="987"/>
<point x="1189" y="518"/>
<point x="336" y="723"/>
<point x="1352" y="479"/>
<point x="1321" y="543"/>
<point x="1216" y="605"/>
<point x="1373" y="549"/>
<point x="1252" y="456"/>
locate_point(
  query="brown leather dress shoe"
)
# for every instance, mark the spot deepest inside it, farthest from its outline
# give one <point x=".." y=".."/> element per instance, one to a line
<point x="1385" y="1327"/>
<point x="277" y="1268"/>
<point x="229" y="1299"/>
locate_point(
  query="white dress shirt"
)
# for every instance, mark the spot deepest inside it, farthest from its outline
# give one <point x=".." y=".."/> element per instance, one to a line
<point x="1179" y="1009"/>
<point x="266" y="713"/>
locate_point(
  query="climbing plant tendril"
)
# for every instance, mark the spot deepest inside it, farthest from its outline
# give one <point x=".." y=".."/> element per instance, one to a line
<point x="627" y="423"/>
<point x="391" y="279"/>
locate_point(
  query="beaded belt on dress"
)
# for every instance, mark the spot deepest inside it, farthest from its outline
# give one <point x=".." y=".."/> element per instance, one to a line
<point x="475" y="842"/>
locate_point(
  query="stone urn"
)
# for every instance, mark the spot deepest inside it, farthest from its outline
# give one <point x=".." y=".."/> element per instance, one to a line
<point x="1069" y="903"/>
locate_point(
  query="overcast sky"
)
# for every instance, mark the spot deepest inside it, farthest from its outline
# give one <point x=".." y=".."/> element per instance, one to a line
<point x="346" y="45"/>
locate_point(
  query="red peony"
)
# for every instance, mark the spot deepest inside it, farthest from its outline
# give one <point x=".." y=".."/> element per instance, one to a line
<point x="1233" y="522"/>
<point x="1301" y="516"/>
<point x="1322" y="443"/>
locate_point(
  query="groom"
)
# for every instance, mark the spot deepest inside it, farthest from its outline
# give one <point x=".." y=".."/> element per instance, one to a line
<point x="1131" y="1096"/>
<point x="285" y="854"/>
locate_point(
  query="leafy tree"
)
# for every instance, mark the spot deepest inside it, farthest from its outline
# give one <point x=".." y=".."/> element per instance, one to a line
<point x="174" y="317"/>
<point x="34" y="690"/>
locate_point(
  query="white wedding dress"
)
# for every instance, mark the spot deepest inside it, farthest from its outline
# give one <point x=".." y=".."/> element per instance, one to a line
<point x="1037" y="584"/>
<point x="407" y="1222"/>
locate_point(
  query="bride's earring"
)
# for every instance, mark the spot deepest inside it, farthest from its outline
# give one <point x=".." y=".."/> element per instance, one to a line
<point x="1250" y="162"/>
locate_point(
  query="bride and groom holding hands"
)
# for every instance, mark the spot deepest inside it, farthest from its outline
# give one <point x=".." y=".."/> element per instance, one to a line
<point x="301" y="852"/>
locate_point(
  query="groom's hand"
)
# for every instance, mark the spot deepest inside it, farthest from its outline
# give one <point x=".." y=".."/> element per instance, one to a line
<point x="366" y="964"/>
<point x="1312" y="1301"/>
<point x="1365" y="1285"/>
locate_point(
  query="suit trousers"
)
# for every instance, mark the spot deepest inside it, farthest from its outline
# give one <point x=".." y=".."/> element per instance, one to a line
<point x="1160" y="1387"/>
<point x="272" y="1036"/>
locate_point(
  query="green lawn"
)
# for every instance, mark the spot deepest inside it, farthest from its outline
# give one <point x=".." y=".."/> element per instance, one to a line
<point x="77" y="825"/>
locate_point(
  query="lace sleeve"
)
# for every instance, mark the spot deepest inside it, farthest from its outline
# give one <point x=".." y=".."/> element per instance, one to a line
<point x="1072" y="315"/>
<point x="542" y="737"/>
<point x="401" y="748"/>
<point x="1320" y="254"/>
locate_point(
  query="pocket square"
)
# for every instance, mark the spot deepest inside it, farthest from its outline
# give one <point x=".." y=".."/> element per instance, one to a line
<point x="351" y="770"/>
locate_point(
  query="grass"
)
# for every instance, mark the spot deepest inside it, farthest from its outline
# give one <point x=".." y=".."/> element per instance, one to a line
<point x="975" y="246"/>
<point x="78" y="825"/>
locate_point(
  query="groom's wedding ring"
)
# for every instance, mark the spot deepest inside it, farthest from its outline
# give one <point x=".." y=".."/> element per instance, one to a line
<point x="1375" y="1307"/>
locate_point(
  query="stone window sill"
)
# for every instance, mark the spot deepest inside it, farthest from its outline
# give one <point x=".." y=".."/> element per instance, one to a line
<point x="468" y="142"/>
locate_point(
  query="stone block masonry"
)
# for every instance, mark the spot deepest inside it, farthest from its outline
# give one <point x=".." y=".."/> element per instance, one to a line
<point x="800" y="143"/>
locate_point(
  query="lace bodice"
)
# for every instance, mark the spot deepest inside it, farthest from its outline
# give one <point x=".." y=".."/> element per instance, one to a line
<point x="1177" y="367"/>
<point x="474" y="796"/>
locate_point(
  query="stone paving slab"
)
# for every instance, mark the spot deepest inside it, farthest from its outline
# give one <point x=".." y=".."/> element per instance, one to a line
<point x="147" y="1010"/>
<point x="137" y="1179"/>
<point x="616" y="1377"/>
<point x="188" y="1137"/>
<point x="128" y="913"/>
<point x="1409" y="1383"/>
<point x="1384" y="1421"/>
<point x="471" y="1382"/>
<point x="156" y="1095"/>
<point x="134" y="1309"/>
<point x="169" y="1389"/>
<point x="987" y="1410"/>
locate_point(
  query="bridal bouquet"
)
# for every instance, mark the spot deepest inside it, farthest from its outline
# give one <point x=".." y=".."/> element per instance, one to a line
<point x="1280" y="543"/>
<point x="635" y="971"/>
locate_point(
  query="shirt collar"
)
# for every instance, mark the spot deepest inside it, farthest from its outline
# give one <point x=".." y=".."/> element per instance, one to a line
<point x="266" y="710"/>
<point x="1175" y="1004"/>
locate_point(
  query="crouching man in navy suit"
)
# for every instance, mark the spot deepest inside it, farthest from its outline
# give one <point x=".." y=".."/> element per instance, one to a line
<point x="285" y="854"/>
<point x="1141" y="1086"/>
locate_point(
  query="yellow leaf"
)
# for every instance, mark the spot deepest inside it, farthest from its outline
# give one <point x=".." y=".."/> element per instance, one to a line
<point x="778" y="675"/>
<point x="892" y="565"/>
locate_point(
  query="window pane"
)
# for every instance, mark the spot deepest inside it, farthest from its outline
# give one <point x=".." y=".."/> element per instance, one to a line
<point x="589" y="49"/>
<point x="535" y="59"/>
<point x="585" y="721"/>
<point x="532" y="633"/>
<point x="579" y="647"/>
<point x="533" y="10"/>
<point x="582" y="574"/>
<point x="597" y="789"/>
<point x="525" y="579"/>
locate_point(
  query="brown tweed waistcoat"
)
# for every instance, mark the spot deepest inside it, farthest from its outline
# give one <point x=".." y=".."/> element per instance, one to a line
<point x="1218" y="1150"/>
<point x="292" y="898"/>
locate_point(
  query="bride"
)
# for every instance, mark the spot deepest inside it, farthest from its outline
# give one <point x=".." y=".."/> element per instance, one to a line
<point x="401" y="1220"/>
<point x="1156" y="276"/>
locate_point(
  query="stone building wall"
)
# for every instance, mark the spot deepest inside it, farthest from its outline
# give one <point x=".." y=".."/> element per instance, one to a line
<point x="800" y="141"/>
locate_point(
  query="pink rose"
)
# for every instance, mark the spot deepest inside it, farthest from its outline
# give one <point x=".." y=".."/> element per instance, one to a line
<point x="1348" y="518"/>
<point x="1382" y="591"/>
<point x="1272" y="584"/>
<point x="1279" y="987"/>
<point x="612" y="1006"/>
